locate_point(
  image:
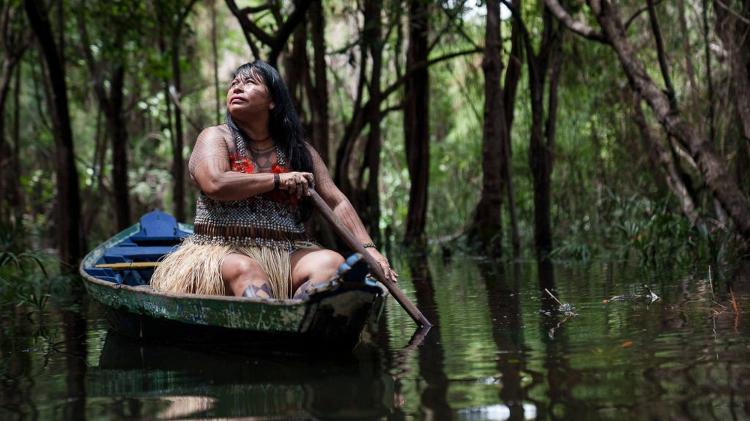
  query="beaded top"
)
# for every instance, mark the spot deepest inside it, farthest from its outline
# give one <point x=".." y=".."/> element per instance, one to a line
<point x="266" y="220"/>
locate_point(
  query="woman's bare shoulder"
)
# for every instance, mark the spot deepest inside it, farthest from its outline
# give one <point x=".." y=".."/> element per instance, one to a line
<point x="220" y="131"/>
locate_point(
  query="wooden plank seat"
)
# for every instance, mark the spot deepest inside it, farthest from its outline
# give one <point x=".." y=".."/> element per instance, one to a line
<point x="136" y="253"/>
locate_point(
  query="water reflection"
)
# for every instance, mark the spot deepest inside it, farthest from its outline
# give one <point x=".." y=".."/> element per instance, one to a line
<point x="210" y="383"/>
<point x="499" y="351"/>
<point x="505" y="312"/>
<point x="434" y="393"/>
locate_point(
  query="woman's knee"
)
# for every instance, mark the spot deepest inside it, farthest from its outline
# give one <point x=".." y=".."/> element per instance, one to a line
<point x="235" y="267"/>
<point x="328" y="261"/>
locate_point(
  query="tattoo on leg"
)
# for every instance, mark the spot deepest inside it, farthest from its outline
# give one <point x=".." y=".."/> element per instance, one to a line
<point x="263" y="291"/>
<point x="264" y="288"/>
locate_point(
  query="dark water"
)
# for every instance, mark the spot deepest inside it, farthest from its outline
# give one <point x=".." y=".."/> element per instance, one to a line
<point x="501" y="350"/>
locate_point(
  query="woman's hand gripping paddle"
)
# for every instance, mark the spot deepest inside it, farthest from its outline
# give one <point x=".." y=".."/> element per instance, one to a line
<point x="375" y="268"/>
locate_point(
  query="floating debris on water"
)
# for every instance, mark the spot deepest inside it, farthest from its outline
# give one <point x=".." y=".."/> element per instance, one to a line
<point x="645" y="294"/>
<point x="564" y="308"/>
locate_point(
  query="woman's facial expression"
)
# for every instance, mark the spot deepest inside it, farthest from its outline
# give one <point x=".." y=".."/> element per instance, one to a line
<point x="248" y="93"/>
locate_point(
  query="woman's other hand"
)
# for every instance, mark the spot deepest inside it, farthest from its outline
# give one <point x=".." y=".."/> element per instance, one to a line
<point x="296" y="183"/>
<point x="390" y="274"/>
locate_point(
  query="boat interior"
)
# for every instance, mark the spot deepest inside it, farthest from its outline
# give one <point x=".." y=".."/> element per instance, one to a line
<point x="156" y="234"/>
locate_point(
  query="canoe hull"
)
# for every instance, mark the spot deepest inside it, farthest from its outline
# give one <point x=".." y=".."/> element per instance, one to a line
<point x="331" y="318"/>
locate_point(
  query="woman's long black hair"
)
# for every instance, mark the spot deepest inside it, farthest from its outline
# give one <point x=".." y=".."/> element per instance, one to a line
<point x="285" y="127"/>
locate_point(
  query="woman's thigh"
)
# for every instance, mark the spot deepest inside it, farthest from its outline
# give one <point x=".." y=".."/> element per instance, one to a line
<point x="314" y="264"/>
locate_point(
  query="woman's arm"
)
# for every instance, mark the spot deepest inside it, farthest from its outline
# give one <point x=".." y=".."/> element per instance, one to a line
<point x="343" y="208"/>
<point x="209" y="168"/>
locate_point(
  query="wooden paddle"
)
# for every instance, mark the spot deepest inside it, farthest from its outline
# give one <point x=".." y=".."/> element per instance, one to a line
<point x="127" y="265"/>
<point x="375" y="268"/>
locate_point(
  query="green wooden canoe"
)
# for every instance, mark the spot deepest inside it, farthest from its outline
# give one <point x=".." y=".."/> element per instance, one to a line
<point x="334" y="317"/>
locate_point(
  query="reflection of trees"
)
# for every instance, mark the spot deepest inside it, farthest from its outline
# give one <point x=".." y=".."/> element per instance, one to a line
<point x="164" y="378"/>
<point x="15" y="373"/>
<point x="505" y="313"/>
<point x="431" y="355"/>
<point x="74" y="329"/>
<point x="560" y="377"/>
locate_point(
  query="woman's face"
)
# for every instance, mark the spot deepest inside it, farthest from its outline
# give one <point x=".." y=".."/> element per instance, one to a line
<point x="248" y="93"/>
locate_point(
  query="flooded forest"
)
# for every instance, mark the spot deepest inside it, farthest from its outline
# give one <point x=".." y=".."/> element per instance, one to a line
<point x="563" y="187"/>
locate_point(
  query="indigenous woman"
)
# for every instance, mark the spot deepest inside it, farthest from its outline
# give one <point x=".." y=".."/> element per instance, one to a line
<point x="254" y="173"/>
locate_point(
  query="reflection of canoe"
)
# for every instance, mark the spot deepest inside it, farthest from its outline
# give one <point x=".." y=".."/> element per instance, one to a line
<point x="158" y="377"/>
<point x="331" y="317"/>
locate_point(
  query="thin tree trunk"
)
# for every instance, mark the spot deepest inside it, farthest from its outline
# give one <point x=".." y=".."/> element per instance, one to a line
<point x="357" y="122"/>
<point x="215" y="62"/>
<point x="178" y="164"/>
<point x="69" y="235"/>
<point x="709" y="76"/>
<point x="14" y="38"/>
<point x="6" y="153"/>
<point x="734" y="35"/>
<point x="17" y="200"/>
<point x="689" y="67"/>
<point x="112" y="103"/>
<point x="487" y="224"/>
<point x="118" y="132"/>
<point x="319" y="96"/>
<point x="178" y="161"/>
<point x="374" y="116"/>
<point x="711" y="166"/>
<point x="510" y="88"/>
<point x="542" y="137"/>
<point x="416" y="123"/>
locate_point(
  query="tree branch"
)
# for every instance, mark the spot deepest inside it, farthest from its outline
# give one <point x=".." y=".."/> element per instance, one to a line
<point x="578" y="27"/>
<point x="282" y="35"/>
<point x="421" y="65"/>
<point x="662" y="55"/>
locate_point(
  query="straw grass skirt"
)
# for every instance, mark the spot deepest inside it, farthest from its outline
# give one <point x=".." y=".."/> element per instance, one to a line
<point x="195" y="268"/>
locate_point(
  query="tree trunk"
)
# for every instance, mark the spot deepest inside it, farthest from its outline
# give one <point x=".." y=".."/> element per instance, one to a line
<point x="6" y="151"/>
<point x="487" y="224"/>
<point x="69" y="235"/>
<point x="733" y="34"/>
<point x="689" y="67"/>
<point x="510" y="88"/>
<point x="711" y="166"/>
<point x="416" y="123"/>
<point x="542" y="207"/>
<point x="14" y="38"/>
<point x="371" y="192"/>
<point x="118" y="132"/>
<point x="663" y="159"/>
<point x="215" y="62"/>
<point x="16" y="198"/>
<point x="112" y="103"/>
<point x="542" y="137"/>
<point x="297" y="72"/>
<point x="319" y="96"/>
<point x="178" y="164"/>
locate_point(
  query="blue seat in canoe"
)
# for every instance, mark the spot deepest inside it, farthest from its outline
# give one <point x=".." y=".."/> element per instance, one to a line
<point x="157" y="226"/>
<point x="136" y="253"/>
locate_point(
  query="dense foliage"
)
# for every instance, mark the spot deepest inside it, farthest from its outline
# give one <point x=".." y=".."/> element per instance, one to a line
<point x="176" y="57"/>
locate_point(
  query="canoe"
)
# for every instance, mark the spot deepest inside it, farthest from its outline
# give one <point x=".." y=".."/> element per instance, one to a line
<point x="117" y="275"/>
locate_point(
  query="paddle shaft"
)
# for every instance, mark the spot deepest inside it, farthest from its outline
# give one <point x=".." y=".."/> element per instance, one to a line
<point x="127" y="265"/>
<point x="375" y="268"/>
